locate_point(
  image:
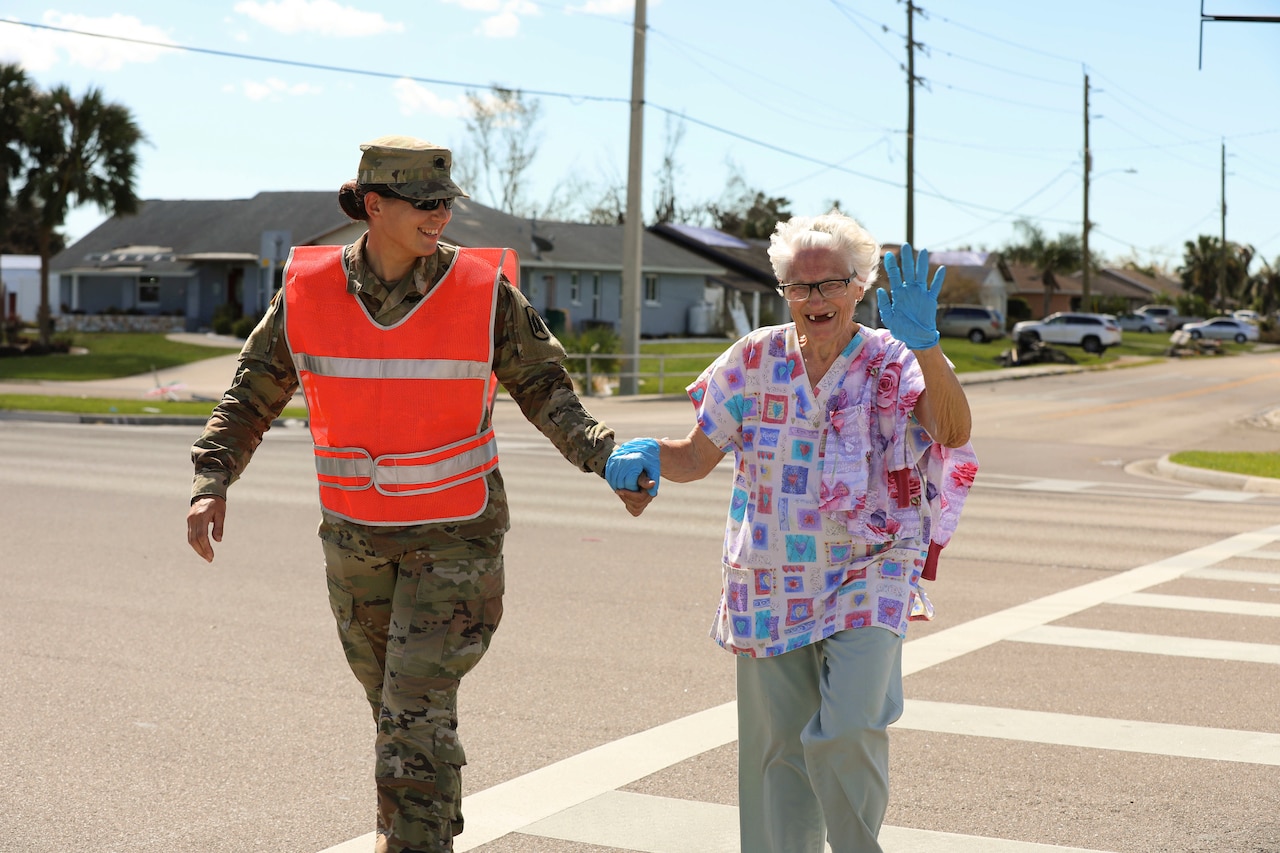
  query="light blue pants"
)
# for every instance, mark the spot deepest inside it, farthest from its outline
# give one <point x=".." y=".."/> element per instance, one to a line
<point x="813" y="746"/>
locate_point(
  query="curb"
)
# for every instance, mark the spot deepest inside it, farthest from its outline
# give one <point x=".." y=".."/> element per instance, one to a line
<point x="125" y="420"/>
<point x="1217" y="479"/>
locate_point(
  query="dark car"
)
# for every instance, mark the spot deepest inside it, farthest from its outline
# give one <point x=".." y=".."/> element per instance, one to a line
<point x="975" y="322"/>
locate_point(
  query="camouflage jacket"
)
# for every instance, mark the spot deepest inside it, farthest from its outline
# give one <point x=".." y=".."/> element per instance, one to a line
<point x="527" y="360"/>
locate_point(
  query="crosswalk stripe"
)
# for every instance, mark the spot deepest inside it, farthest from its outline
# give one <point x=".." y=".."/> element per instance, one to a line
<point x="647" y="824"/>
<point x="1233" y="606"/>
<point x="1092" y="732"/>
<point x="521" y="802"/>
<point x="1150" y="644"/>
<point x="1238" y="576"/>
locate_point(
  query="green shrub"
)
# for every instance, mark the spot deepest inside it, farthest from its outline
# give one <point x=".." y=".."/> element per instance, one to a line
<point x="223" y="318"/>
<point x="243" y="327"/>
<point x="1019" y="310"/>
<point x="598" y="341"/>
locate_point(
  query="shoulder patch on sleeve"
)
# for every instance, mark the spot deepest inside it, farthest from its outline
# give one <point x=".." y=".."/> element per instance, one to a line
<point x="536" y="324"/>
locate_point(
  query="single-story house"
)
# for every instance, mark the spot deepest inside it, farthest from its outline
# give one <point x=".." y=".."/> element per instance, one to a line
<point x="1134" y="288"/>
<point x="977" y="278"/>
<point x="20" y="287"/>
<point x="746" y="295"/>
<point x="186" y="259"/>
<point x="749" y="295"/>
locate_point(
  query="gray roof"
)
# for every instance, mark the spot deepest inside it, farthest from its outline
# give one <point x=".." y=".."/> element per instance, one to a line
<point x="165" y="235"/>
<point x="566" y="244"/>
<point x="748" y="259"/>
<point x="182" y="227"/>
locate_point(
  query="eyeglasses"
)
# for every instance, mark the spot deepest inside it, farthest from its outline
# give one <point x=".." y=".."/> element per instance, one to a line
<point x="424" y="203"/>
<point x="830" y="288"/>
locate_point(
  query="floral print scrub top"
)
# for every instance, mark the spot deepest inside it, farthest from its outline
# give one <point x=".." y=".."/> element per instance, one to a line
<point x="840" y="498"/>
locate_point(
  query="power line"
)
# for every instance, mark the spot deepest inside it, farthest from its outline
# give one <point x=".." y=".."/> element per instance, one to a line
<point x="1006" y="41"/>
<point x="683" y="47"/>
<point x="1021" y="75"/>
<point x="455" y="83"/>
<point x="849" y="13"/>
<point x="363" y="72"/>
<point x="1026" y="104"/>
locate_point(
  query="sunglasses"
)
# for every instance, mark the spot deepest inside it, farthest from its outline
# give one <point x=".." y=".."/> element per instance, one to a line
<point x="423" y="203"/>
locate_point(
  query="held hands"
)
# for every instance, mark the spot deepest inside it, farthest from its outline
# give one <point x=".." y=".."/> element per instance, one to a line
<point x="629" y="461"/>
<point x="913" y="315"/>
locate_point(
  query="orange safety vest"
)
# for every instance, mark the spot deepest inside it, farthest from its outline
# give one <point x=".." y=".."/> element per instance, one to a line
<point x="398" y="413"/>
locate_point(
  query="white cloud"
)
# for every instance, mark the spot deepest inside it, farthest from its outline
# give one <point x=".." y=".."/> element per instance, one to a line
<point x="506" y="22"/>
<point x="416" y="99"/>
<point x="325" y="17"/>
<point x="478" y="5"/>
<point x="273" y="88"/>
<point x="40" y="50"/>
<point x="504" y="25"/>
<point x="605" y="7"/>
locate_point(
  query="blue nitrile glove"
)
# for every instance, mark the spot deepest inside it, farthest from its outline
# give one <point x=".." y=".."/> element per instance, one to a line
<point x="631" y="459"/>
<point x="913" y="316"/>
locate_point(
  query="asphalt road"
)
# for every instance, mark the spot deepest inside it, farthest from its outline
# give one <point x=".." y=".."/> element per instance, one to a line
<point x="1101" y="674"/>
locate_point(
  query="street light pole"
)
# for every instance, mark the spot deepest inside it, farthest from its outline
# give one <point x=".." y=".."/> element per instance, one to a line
<point x="1086" y="301"/>
<point x="633" y="229"/>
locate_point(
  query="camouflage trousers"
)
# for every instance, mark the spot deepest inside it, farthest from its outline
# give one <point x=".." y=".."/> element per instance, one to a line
<point x="412" y="625"/>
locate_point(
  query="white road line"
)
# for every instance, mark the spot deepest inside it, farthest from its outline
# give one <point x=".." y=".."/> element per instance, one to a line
<point x="1219" y="497"/>
<point x="978" y="633"/>
<point x="1092" y="732"/>
<point x="1235" y="606"/>
<point x="509" y="806"/>
<point x="1236" y="575"/>
<point x="497" y="811"/>
<point x="1150" y="644"/>
<point x="1273" y="556"/>
<point x="1048" y="485"/>
<point x="649" y="824"/>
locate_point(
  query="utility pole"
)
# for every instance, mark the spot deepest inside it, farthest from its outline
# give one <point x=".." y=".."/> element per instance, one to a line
<point x="1086" y="301"/>
<point x="1222" y="261"/>
<point x="911" y="121"/>
<point x="633" y="231"/>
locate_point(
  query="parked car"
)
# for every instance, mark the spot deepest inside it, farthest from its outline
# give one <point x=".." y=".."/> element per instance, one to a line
<point x="1223" y="329"/>
<point x="1168" y="315"/>
<point x="1248" y="315"/>
<point x="1093" y="332"/>
<point x="975" y="322"/>
<point x="1139" y="323"/>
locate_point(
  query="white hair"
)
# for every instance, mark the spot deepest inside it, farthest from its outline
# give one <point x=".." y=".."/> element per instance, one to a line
<point x="833" y="231"/>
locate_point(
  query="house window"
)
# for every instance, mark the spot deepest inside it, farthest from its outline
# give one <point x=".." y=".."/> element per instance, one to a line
<point x="575" y="289"/>
<point x="651" y="289"/>
<point x="148" y="291"/>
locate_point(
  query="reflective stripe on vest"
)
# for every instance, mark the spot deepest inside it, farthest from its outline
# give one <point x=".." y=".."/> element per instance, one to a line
<point x="377" y="394"/>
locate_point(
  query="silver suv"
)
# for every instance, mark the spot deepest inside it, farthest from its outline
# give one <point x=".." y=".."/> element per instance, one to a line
<point x="975" y="322"/>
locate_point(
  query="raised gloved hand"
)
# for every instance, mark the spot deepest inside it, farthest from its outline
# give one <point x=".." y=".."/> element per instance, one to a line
<point x="631" y="459"/>
<point x="912" y="317"/>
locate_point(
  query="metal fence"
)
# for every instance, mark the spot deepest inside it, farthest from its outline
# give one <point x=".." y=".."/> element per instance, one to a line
<point x="655" y="373"/>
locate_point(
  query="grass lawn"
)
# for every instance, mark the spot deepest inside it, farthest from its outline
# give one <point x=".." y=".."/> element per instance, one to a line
<point x="102" y="405"/>
<point x="1251" y="464"/>
<point x="109" y="356"/>
<point x="680" y="363"/>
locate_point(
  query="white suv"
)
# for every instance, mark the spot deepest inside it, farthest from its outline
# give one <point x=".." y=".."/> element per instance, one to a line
<point x="1093" y="332"/>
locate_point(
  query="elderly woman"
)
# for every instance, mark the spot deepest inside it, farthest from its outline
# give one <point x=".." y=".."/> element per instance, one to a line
<point x="851" y="467"/>
<point x="397" y="341"/>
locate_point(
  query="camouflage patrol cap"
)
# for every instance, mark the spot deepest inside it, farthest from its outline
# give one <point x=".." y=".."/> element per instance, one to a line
<point x="414" y="168"/>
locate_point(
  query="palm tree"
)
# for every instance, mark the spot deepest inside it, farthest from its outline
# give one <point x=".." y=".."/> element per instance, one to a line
<point x="1063" y="255"/>
<point x="17" y="95"/>
<point x="77" y="152"/>
<point x="1219" y="278"/>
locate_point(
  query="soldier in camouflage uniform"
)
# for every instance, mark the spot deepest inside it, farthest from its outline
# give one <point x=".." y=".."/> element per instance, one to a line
<point x="416" y="605"/>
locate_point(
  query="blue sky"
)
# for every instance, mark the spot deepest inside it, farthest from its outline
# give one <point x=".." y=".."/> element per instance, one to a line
<point x="805" y="98"/>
